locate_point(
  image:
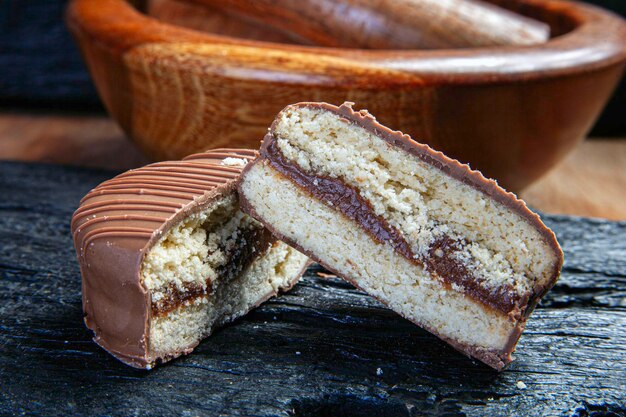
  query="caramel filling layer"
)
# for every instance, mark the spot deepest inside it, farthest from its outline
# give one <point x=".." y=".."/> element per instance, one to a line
<point x="250" y="244"/>
<point x="440" y="262"/>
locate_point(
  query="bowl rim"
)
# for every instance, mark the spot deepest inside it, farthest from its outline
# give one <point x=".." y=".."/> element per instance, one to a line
<point x="596" y="42"/>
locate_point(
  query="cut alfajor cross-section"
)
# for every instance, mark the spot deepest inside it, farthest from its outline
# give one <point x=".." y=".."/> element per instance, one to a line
<point x="435" y="241"/>
<point x="166" y="256"/>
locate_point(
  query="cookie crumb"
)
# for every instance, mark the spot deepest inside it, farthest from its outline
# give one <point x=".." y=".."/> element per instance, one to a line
<point x="234" y="162"/>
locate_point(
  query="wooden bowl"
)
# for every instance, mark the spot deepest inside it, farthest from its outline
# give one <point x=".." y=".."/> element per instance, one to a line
<point x="511" y="111"/>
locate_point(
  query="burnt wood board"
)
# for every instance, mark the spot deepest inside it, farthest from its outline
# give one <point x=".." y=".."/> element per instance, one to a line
<point x="322" y="349"/>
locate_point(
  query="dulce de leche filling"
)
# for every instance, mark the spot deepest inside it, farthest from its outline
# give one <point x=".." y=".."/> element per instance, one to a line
<point x="250" y="244"/>
<point x="439" y="262"/>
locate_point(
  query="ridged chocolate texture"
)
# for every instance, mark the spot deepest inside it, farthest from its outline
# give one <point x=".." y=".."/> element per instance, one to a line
<point x="119" y="221"/>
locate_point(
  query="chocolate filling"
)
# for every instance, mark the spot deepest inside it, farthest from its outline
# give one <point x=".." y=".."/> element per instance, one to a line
<point x="503" y="298"/>
<point x="346" y="199"/>
<point x="241" y="252"/>
<point x="174" y="297"/>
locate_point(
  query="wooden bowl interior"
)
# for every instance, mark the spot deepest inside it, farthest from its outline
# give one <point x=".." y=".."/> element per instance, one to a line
<point x="512" y="112"/>
<point x="205" y="18"/>
<point x="560" y="20"/>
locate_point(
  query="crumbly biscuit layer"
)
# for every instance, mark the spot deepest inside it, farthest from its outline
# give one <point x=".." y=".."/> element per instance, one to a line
<point x="199" y="272"/>
<point x="375" y="267"/>
<point x="183" y="327"/>
<point x="191" y="253"/>
<point x="498" y="246"/>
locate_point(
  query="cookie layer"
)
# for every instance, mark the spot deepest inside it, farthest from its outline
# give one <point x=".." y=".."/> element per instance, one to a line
<point x="454" y="229"/>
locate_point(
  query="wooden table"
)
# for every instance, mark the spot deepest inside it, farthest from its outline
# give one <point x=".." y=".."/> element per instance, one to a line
<point x="322" y="349"/>
<point x="590" y="182"/>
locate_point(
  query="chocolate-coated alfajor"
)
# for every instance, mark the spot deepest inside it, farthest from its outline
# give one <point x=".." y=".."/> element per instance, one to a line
<point x="166" y="256"/>
<point x="435" y="241"/>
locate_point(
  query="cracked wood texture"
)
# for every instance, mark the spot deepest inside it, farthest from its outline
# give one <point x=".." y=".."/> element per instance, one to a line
<point x="322" y="349"/>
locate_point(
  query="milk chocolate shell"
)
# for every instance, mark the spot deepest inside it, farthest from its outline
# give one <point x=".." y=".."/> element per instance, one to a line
<point x="166" y="256"/>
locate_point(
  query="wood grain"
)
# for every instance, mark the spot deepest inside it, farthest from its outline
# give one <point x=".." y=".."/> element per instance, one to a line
<point x="89" y="141"/>
<point x="391" y="24"/>
<point x="511" y="112"/>
<point x="589" y="182"/>
<point x="206" y="18"/>
<point x="322" y="349"/>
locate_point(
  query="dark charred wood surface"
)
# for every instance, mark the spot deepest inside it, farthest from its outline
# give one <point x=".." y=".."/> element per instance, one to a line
<point x="322" y="349"/>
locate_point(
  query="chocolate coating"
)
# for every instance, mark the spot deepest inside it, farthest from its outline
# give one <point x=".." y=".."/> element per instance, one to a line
<point x="347" y="200"/>
<point x="119" y="221"/>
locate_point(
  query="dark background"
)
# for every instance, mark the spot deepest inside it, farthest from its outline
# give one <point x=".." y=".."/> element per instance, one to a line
<point x="40" y="67"/>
